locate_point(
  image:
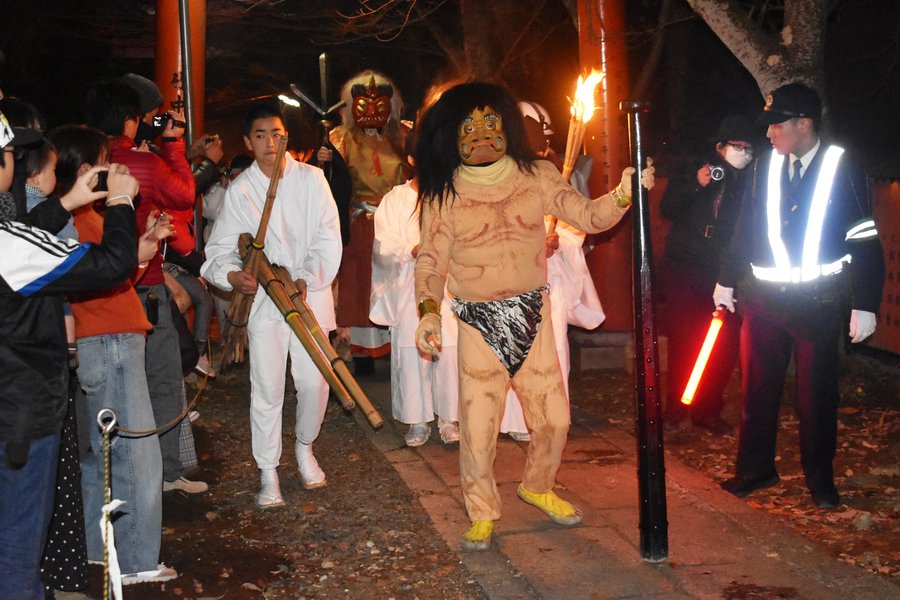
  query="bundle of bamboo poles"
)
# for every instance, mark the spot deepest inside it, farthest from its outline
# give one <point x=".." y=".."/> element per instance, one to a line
<point x="234" y="330"/>
<point x="282" y="290"/>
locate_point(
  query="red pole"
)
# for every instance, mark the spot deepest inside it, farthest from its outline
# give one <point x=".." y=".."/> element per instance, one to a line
<point x="168" y="64"/>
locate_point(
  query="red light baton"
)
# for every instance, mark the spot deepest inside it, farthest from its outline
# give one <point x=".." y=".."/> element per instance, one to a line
<point x="718" y="318"/>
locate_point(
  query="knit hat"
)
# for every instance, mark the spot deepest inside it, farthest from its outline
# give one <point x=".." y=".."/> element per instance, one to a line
<point x="147" y="91"/>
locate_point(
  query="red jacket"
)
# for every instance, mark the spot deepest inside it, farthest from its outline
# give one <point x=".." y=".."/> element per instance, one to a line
<point x="167" y="185"/>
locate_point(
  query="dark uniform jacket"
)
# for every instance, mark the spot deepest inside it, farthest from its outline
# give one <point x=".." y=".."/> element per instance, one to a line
<point x="33" y="354"/>
<point x="848" y="204"/>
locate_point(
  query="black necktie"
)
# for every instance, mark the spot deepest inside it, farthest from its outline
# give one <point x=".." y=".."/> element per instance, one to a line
<point x="794" y="184"/>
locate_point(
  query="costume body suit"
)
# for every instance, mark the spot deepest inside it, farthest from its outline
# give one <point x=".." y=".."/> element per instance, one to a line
<point x="374" y="160"/>
<point x="490" y="238"/>
<point x="421" y="386"/>
<point x="303" y="237"/>
<point x="574" y="301"/>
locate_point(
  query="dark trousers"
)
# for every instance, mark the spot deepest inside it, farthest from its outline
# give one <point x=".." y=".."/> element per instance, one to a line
<point x="688" y="313"/>
<point x="767" y="340"/>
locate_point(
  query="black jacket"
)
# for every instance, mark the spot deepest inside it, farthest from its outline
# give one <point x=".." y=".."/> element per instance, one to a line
<point x="849" y="203"/>
<point x="703" y="220"/>
<point x="33" y="351"/>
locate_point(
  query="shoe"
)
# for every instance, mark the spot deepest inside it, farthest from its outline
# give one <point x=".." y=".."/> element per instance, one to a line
<point x="162" y="573"/>
<point x="827" y="499"/>
<point x="193" y="415"/>
<point x="417" y="435"/>
<point x="185" y="485"/>
<point x="741" y="485"/>
<point x="269" y="495"/>
<point x="520" y="436"/>
<point x="556" y="508"/>
<point x="478" y="537"/>
<point x="203" y="368"/>
<point x="715" y="425"/>
<point x="311" y="474"/>
<point x="448" y="430"/>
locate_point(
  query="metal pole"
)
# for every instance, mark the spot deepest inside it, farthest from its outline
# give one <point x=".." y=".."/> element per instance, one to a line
<point x="651" y="463"/>
<point x="186" y="74"/>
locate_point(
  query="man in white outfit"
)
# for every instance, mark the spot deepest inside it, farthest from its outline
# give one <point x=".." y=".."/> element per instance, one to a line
<point x="304" y="238"/>
<point x="421" y="386"/>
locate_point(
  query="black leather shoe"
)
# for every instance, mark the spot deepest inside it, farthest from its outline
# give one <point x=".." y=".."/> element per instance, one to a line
<point x="741" y="485"/>
<point x="826" y="498"/>
<point x="715" y="425"/>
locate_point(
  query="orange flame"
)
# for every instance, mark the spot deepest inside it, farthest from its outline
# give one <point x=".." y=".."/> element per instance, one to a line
<point x="583" y="106"/>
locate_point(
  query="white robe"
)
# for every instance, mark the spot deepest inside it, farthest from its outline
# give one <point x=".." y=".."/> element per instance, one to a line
<point x="573" y="300"/>
<point x="420" y="386"/>
<point x="303" y="237"/>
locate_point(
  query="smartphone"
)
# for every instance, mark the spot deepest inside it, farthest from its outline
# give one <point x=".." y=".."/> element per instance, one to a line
<point x="101" y="182"/>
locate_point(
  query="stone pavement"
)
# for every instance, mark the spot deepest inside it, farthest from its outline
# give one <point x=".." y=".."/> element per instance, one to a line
<point x="719" y="546"/>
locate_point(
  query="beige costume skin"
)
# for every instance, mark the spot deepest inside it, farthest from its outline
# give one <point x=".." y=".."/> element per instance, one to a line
<point x="490" y="241"/>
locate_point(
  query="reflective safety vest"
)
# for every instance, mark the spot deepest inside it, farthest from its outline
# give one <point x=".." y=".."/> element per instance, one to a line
<point x="809" y="268"/>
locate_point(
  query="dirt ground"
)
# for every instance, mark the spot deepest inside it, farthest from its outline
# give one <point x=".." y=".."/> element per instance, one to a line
<point x="364" y="536"/>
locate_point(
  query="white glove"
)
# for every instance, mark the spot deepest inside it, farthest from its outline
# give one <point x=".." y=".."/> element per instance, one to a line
<point x="862" y="325"/>
<point x="648" y="180"/>
<point x="724" y="296"/>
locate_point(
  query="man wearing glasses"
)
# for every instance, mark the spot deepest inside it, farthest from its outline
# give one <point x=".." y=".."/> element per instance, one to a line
<point x="703" y="208"/>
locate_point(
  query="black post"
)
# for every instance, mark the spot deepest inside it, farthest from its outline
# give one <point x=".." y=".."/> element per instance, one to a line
<point x="654" y="527"/>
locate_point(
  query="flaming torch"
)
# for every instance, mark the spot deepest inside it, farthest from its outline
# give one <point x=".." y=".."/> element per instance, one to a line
<point x="582" y="110"/>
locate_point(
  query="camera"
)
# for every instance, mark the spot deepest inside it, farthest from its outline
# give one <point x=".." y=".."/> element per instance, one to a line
<point x="161" y="121"/>
<point x="716" y="172"/>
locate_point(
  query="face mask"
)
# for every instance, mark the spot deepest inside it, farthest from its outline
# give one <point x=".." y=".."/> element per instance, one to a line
<point x="737" y="159"/>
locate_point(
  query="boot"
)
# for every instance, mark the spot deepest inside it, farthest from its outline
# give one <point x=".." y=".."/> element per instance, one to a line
<point x="269" y="495"/>
<point x="310" y="473"/>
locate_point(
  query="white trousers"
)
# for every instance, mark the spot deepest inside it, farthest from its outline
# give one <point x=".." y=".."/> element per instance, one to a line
<point x="270" y="344"/>
<point x="424" y="387"/>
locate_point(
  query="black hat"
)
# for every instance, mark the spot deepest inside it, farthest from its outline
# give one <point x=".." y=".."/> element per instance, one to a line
<point x="147" y="91"/>
<point x="791" y="101"/>
<point x="17" y="136"/>
<point x="738" y="128"/>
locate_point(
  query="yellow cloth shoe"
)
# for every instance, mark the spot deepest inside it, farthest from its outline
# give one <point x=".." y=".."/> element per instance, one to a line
<point x="556" y="508"/>
<point x="478" y="537"/>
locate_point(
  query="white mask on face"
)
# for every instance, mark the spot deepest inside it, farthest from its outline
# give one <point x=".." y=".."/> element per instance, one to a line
<point x="737" y="159"/>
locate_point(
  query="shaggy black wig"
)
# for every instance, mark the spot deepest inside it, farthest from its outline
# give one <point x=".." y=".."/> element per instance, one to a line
<point x="436" y="151"/>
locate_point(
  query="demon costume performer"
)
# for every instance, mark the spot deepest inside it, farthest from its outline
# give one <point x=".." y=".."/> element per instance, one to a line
<point x="369" y="142"/>
<point x="303" y="237"/>
<point x="483" y="199"/>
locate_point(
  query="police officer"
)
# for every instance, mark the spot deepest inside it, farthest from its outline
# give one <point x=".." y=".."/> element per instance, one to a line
<point x="807" y="246"/>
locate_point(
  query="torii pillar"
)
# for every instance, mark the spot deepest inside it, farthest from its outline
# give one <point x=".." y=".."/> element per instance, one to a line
<point x="601" y="45"/>
<point x="169" y="65"/>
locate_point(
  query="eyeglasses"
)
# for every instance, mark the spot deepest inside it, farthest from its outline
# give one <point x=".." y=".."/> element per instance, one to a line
<point x="747" y="148"/>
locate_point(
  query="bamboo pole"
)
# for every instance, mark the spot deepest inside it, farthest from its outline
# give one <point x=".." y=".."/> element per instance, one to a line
<point x="338" y="365"/>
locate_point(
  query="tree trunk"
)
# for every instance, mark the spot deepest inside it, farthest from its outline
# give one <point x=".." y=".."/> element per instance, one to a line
<point x="796" y="54"/>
